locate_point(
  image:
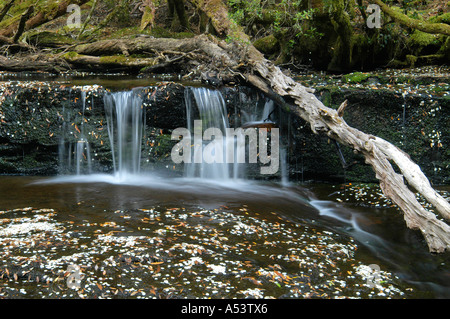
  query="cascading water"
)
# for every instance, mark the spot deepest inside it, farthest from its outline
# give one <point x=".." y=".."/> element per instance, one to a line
<point x="213" y="114"/>
<point x="124" y="112"/>
<point x="75" y="157"/>
<point x="256" y="116"/>
<point x="125" y="118"/>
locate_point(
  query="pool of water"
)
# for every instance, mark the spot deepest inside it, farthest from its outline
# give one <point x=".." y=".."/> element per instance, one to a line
<point x="150" y="236"/>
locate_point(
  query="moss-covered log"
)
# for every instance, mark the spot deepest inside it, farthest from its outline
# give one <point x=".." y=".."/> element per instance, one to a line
<point x="428" y="27"/>
<point x="109" y="62"/>
<point x="42" y="16"/>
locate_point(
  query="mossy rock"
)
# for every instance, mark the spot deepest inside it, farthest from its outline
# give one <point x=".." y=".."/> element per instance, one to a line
<point x="356" y="77"/>
<point x="267" y="45"/>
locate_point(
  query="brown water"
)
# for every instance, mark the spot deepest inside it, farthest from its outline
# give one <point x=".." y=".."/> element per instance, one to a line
<point x="154" y="237"/>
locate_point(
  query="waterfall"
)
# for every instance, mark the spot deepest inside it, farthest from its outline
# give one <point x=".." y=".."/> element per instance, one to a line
<point x="75" y="157"/>
<point x="232" y="155"/>
<point x="213" y="114"/>
<point x="217" y="152"/>
<point x="125" y="119"/>
<point x="256" y="116"/>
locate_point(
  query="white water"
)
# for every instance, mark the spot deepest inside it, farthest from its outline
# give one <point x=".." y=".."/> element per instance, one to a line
<point x="213" y="113"/>
<point x="125" y="118"/>
<point x="257" y="116"/>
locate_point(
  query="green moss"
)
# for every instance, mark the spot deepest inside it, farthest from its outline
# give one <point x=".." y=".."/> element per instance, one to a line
<point x="268" y="44"/>
<point x="419" y="38"/>
<point x="70" y="55"/>
<point x="443" y="18"/>
<point x="356" y="77"/>
<point x="47" y="38"/>
<point x="114" y="59"/>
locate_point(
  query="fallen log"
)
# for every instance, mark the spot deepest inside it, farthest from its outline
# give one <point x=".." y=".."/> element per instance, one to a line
<point x="32" y="63"/>
<point x="376" y="151"/>
<point x="110" y="62"/>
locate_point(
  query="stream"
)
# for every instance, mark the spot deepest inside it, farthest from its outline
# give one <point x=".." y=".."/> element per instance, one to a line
<point x="143" y="233"/>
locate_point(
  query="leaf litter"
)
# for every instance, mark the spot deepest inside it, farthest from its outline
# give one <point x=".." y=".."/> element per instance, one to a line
<point x="181" y="252"/>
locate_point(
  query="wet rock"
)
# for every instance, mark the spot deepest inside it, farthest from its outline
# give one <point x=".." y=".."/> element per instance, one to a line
<point x="42" y="123"/>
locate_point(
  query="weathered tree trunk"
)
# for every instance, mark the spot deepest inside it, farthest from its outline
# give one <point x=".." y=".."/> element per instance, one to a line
<point x="22" y="22"/>
<point x="177" y="6"/>
<point x="377" y="152"/>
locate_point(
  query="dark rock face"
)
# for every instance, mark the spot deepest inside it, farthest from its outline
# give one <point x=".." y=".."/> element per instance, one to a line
<point x="43" y="123"/>
<point x="416" y="123"/>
